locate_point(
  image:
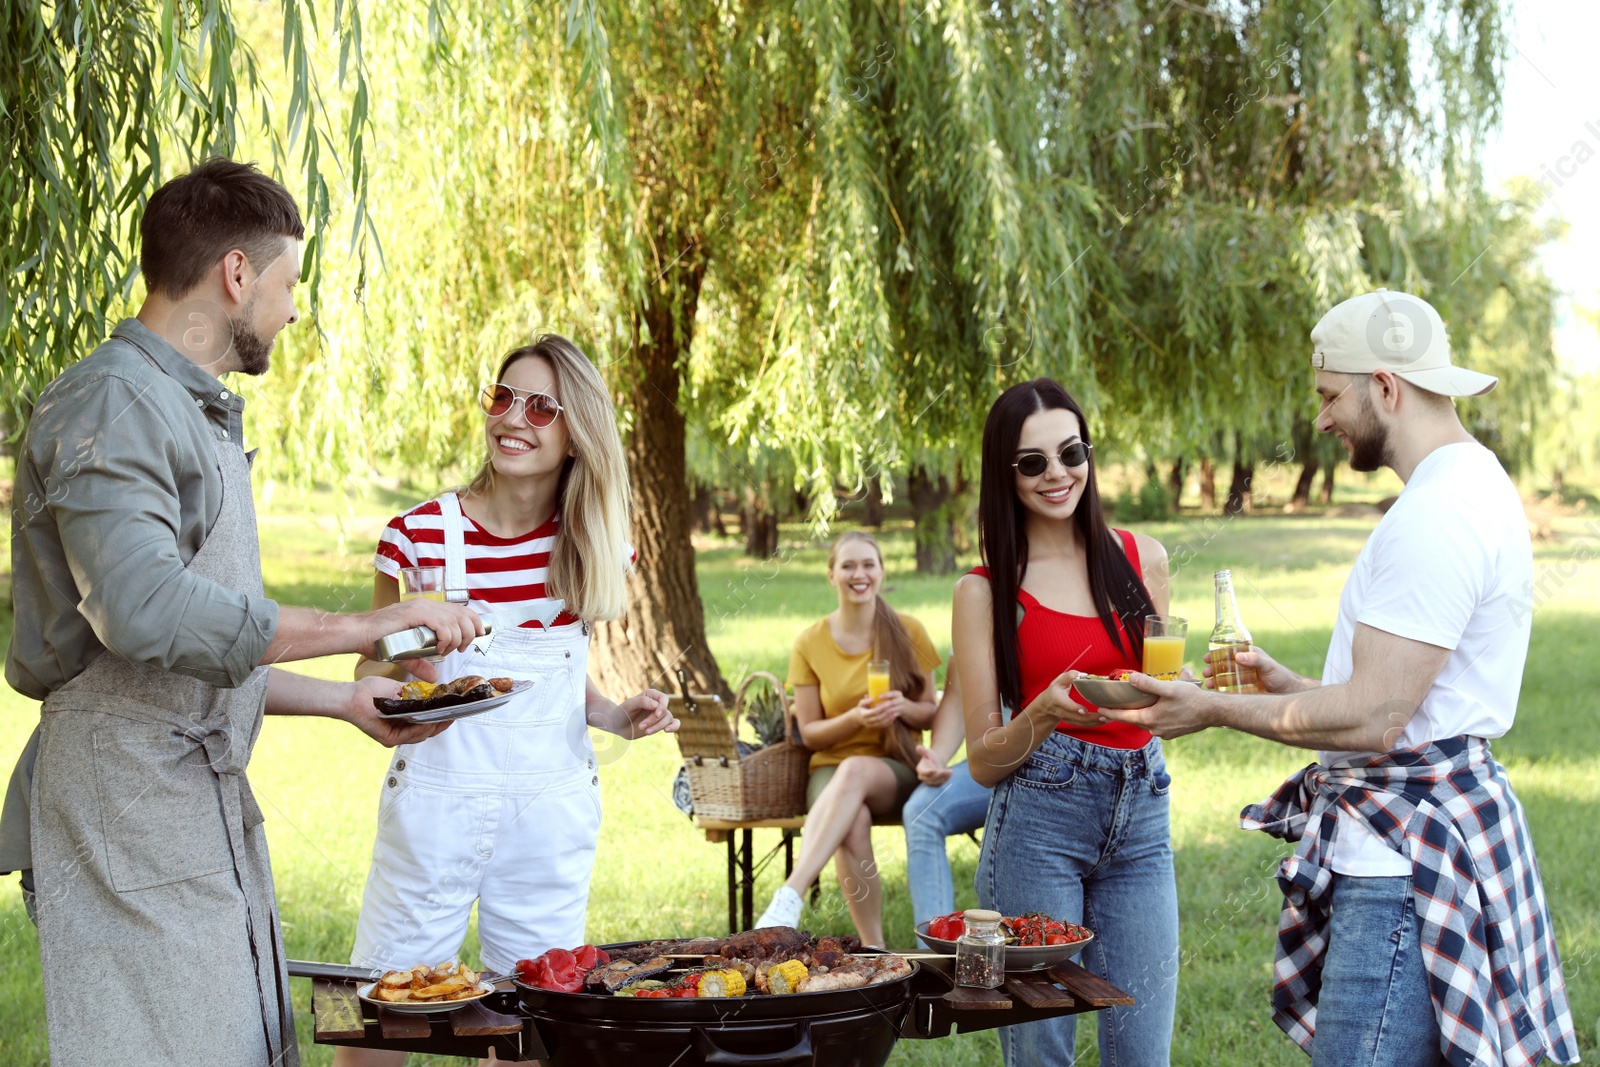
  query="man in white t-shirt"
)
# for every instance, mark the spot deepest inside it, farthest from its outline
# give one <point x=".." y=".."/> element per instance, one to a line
<point x="1414" y="930"/>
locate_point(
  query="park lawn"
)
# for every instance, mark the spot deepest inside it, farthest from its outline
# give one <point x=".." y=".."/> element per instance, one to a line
<point x="318" y="781"/>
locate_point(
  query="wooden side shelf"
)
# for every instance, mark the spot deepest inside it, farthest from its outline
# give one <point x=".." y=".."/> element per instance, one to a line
<point x="342" y="1018"/>
<point x="1093" y="990"/>
<point x="1038" y="990"/>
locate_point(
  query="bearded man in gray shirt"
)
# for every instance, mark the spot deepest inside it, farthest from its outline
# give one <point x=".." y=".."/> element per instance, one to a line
<point x="142" y="626"/>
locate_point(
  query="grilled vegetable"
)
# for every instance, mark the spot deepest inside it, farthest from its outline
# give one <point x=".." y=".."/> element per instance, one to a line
<point x="729" y="983"/>
<point x="787" y="976"/>
<point x="641" y="987"/>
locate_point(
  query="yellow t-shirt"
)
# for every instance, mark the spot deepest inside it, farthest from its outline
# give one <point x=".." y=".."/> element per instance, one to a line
<point x="842" y="680"/>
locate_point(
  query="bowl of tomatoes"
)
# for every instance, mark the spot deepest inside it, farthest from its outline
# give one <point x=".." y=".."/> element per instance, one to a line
<point x="1034" y="941"/>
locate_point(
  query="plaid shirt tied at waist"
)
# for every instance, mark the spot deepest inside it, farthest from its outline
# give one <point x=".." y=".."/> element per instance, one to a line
<point x="1487" y="942"/>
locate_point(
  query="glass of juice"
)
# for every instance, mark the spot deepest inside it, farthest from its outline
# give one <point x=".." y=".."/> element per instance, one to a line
<point x="424" y="583"/>
<point x="877" y="678"/>
<point x="1164" y="637"/>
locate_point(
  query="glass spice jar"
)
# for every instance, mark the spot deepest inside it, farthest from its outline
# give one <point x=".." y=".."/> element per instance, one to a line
<point x="981" y="952"/>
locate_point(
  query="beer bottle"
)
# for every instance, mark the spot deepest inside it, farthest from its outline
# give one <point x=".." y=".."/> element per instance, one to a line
<point x="1228" y="640"/>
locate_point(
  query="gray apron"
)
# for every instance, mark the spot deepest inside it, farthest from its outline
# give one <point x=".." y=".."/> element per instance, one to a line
<point x="157" y="922"/>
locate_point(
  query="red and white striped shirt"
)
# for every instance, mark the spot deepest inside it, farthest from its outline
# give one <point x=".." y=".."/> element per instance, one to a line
<point x="501" y="571"/>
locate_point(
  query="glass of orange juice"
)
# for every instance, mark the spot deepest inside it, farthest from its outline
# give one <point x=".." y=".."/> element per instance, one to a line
<point x="1164" y="637"/>
<point x="422" y="583"/>
<point x="877" y="678"/>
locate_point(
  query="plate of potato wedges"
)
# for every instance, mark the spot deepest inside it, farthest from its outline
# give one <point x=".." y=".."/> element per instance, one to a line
<point x="425" y="989"/>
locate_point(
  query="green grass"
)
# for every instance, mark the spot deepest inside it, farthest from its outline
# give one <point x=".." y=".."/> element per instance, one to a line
<point x="318" y="781"/>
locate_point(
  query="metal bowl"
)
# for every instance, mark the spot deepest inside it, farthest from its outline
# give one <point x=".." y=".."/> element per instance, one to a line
<point x="1018" y="957"/>
<point x="1113" y="696"/>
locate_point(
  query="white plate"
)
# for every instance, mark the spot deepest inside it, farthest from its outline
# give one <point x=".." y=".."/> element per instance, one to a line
<point x="421" y="1007"/>
<point x="461" y="711"/>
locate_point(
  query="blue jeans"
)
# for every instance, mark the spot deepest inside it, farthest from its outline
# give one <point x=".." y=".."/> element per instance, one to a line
<point x="933" y="813"/>
<point x="1375" y="1009"/>
<point x="1081" y="831"/>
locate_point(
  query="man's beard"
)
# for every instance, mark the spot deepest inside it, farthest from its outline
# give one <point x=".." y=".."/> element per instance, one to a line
<point x="255" y="354"/>
<point x="1369" y="441"/>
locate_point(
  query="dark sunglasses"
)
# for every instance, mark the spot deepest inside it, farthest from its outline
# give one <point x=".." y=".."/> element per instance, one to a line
<point x="540" y="409"/>
<point x="1033" y="464"/>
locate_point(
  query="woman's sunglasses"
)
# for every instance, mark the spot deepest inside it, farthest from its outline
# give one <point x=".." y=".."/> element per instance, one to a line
<point x="1033" y="464"/>
<point x="540" y="409"/>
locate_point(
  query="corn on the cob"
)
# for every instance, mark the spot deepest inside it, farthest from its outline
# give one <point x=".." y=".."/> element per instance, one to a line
<point x="728" y="983"/>
<point x="786" y="977"/>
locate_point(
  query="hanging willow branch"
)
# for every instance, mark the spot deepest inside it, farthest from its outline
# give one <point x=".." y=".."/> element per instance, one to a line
<point x="100" y="103"/>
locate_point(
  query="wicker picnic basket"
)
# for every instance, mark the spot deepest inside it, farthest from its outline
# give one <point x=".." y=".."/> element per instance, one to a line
<point x="769" y="783"/>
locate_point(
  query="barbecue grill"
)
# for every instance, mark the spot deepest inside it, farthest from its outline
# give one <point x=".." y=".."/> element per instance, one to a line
<point x="853" y="1027"/>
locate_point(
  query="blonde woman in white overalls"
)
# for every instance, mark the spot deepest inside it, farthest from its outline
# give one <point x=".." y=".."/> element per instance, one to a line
<point x="503" y="808"/>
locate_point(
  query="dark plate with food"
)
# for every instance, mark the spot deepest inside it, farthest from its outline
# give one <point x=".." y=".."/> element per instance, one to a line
<point x="424" y="702"/>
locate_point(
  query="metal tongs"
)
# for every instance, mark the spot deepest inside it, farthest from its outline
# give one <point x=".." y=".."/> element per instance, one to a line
<point x="420" y="642"/>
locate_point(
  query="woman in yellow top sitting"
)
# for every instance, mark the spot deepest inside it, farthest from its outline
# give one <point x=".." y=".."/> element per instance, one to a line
<point x="854" y="775"/>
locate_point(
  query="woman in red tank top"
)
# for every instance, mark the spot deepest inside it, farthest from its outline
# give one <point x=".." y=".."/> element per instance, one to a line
<point x="1078" y="824"/>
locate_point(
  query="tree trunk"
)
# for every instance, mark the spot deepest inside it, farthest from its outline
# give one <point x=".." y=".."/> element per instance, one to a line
<point x="872" y="506"/>
<point x="1175" y="481"/>
<point x="760" y="525"/>
<point x="932" y="503"/>
<point x="702" y="502"/>
<point x="1302" y="487"/>
<point x="718" y="527"/>
<point x="963" y="512"/>
<point x="1208" y="484"/>
<point x="665" y="626"/>
<point x="1239" y="489"/>
<point x="1326" y="495"/>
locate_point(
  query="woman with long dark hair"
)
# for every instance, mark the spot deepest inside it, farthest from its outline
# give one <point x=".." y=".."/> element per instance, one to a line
<point x="1078" y="825"/>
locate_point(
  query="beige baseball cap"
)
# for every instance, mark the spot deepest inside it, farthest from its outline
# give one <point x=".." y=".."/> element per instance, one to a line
<point x="1395" y="332"/>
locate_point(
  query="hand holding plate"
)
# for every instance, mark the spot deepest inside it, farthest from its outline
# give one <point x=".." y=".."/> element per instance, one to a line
<point x="1181" y="707"/>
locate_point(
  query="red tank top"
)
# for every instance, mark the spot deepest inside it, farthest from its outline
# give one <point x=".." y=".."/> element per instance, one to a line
<point x="1049" y="642"/>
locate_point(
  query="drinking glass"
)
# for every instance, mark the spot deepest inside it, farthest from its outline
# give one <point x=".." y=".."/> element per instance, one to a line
<point x="426" y="583"/>
<point x="1164" y="637"/>
<point x="877" y="678"/>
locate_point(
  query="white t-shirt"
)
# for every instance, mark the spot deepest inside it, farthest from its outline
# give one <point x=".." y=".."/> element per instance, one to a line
<point x="1450" y="565"/>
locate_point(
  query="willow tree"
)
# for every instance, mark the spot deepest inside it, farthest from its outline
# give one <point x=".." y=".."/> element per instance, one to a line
<point x="703" y="197"/>
<point x="1259" y="163"/>
<point x="101" y="103"/>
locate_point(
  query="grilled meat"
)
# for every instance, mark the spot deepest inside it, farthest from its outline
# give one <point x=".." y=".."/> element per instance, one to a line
<point x="821" y="983"/>
<point x="831" y="951"/>
<point x="618" y="973"/>
<point x="777" y="943"/>
<point x="889" y="968"/>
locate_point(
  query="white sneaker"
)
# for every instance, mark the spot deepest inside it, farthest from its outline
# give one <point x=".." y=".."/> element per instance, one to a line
<point x="783" y="911"/>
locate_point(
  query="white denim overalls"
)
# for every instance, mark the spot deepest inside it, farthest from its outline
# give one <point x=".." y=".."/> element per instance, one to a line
<point x="502" y="808"/>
